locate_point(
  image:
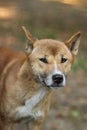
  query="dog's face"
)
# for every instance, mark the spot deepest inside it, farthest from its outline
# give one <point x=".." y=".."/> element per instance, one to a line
<point x="51" y="60"/>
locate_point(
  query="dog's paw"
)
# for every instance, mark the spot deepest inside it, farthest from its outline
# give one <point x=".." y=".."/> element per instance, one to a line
<point x="38" y="114"/>
<point x="21" y="112"/>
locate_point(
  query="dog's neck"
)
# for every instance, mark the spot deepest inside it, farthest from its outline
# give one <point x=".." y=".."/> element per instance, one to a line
<point x="33" y="107"/>
<point x="28" y="83"/>
<point x="37" y="97"/>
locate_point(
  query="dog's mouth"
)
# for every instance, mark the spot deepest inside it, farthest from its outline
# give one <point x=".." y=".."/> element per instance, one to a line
<point x="54" y="85"/>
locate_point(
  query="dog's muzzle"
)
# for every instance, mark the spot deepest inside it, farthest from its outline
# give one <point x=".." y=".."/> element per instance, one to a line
<point x="54" y="81"/>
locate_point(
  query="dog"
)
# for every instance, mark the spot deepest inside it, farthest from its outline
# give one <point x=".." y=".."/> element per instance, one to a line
<point x="28" y="80"/>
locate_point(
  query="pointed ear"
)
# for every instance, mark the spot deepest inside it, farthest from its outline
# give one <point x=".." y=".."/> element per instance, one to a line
<point x="73" y="43"/>
<point x="30" y="40"/>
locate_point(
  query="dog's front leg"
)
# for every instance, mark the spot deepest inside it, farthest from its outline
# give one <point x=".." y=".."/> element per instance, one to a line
<point x="23" y="112"/>
<point x="27" y="109"/>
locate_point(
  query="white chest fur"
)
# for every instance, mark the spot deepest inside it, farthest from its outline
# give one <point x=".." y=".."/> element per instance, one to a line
<point x="27" y="109"/>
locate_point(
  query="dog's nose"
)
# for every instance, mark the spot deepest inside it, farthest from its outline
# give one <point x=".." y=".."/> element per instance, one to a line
<point x="57" y="78"/>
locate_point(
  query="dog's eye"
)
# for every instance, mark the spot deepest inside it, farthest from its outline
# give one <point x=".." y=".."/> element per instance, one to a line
<point x="63" y="60"/>
<point x="44" y="60"/>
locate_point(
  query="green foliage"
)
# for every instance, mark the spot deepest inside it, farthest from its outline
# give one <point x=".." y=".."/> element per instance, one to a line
<point x="81" y="63"/>
<point x="76" y="113"/>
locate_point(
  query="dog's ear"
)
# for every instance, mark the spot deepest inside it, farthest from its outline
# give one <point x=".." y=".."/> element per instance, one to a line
<point x="30" y="40"/>
<point x="73" y="43"/>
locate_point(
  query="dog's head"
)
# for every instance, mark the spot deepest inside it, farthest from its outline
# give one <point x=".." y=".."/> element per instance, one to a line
<point x="51" y="60"/>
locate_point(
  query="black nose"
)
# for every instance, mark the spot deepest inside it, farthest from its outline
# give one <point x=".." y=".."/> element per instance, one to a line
<point x="57" y="78"/>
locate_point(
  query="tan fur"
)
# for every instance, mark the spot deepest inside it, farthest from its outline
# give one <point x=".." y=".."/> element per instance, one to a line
<point x="20" y="84"/>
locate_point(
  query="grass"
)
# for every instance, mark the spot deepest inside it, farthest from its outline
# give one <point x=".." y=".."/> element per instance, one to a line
<point x="81" y="63"/>
<point x="77" y="114"/>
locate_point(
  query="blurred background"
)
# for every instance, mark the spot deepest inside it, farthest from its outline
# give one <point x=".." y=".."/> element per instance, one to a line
<point x="57" y="19"/>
